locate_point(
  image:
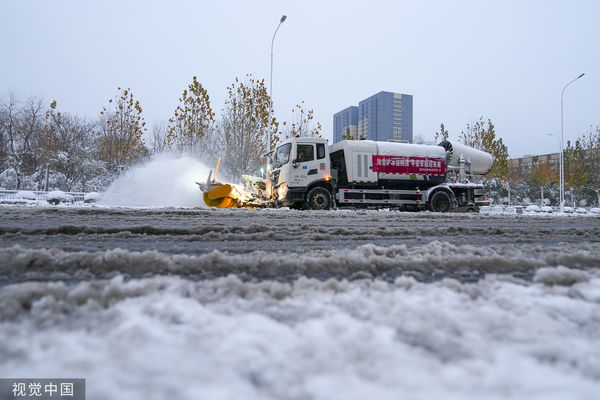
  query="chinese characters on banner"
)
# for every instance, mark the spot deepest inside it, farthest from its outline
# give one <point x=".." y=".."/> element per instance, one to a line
<point x="409" y="165"/>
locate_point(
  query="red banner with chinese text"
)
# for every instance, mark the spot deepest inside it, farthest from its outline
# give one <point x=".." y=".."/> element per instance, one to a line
<point x="409" y="165"/>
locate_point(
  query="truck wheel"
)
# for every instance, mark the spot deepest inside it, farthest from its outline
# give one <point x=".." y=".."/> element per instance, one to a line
<point x="318" y="199"/>
<point x="440" y="202"/>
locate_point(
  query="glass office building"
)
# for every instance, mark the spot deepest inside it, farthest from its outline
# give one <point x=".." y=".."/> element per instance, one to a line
<point x="345" y="123"/>
<point x="383" y="116"/>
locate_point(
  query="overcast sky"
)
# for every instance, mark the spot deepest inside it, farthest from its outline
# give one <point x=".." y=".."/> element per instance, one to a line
<point x="506" y="60"/>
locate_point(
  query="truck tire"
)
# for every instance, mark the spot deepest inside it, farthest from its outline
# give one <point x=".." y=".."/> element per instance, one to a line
<point x="318" y="199"/>
<point x="440" y="202"/>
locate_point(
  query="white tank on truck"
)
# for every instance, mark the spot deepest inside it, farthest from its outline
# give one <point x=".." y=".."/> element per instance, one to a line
<point x="307" y="173"/>
<point x="387" y="164"/>
<point x="478" y="162"/>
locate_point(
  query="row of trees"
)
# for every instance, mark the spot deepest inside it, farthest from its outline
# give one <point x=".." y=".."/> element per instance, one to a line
<point x="241" y="135"/>
<point x="41" y="148"/>
<point x="581" y="168"/>
<point x="44" y="148"/>
<point x="581" y="159"/>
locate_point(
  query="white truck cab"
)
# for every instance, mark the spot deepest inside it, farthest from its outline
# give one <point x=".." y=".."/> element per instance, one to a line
<point x="298" y="166"/>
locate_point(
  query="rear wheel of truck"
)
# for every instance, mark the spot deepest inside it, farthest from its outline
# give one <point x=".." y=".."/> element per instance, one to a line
<point x="440" y="202"/>
<point x="318" y="199"/>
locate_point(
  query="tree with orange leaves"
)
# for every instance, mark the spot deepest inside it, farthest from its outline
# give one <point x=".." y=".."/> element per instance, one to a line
<point x="193" y="121"/>
<point x="302" y="123"/>
<point x="544" y="174"/>
<point x="245" y="125"/>
<point x="482" y="137"/>
<point x="119" y="137"/>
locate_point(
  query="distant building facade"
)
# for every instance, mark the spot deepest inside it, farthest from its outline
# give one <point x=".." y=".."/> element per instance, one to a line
<point x="383" y="116"/>
<point x="525" y="165"/>
<point x="345" y="123"/>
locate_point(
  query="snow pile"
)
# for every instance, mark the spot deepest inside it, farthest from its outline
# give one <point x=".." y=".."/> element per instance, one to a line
<point x="25" y="195"/>
<point x="561" y="276"/>
<point x="91" y="197"/>
<point x="167" y="180"/>
<point x="57" y="196"/>
<point x="309" y="339"/>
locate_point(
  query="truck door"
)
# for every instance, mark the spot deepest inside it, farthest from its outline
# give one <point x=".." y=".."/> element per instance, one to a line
<point x="308" y="167"/>
<point x="363" y="168"/>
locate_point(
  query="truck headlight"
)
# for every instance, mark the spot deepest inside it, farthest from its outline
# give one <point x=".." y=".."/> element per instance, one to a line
<point x="281" y="191"/>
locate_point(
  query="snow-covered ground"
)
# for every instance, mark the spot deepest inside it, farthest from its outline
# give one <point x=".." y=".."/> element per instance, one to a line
<point x="187" y="303"/>
<point x="148" y="294"/>
<point x="226" y="338"/>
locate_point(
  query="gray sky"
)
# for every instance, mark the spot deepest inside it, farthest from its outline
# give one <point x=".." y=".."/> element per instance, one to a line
<point x="506" y="60"/>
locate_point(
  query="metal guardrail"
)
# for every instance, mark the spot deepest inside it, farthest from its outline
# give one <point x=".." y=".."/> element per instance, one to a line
<point x="518" y="209"/>
<point x="39" y="195"/>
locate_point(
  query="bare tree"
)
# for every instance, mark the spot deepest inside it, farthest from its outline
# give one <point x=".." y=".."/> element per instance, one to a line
<point x="74" y="163"/>
<point x="20" y="124"/>
<point x="4" y="136"/>
<point x="47" y="149"/>
<point x="158" y="137"/>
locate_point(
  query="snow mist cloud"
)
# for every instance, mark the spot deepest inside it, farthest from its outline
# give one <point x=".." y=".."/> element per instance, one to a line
<point x="166" y="180"/>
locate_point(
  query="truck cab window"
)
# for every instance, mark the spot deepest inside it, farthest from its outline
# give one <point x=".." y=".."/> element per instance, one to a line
<point x="282" y="155"/>
<point x="305" y="152"/>
<point x="320" y="151"/>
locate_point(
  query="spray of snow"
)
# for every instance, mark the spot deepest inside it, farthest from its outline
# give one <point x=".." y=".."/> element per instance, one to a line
<point x="166" y="180"/>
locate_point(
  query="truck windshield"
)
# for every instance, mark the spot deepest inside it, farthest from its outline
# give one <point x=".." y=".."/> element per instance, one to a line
<point x="282" y="155"/>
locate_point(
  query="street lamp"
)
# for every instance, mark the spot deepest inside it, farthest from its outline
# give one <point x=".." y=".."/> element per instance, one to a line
<point x="562" y="162"/>
<point x="561" y="183"/>
<point x="283" y="17"/>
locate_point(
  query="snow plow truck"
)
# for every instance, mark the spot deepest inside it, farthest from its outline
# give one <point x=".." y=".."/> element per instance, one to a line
<point x="306" y="172"/>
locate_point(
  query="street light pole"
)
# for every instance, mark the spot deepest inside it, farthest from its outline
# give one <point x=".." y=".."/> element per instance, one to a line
<point x="283" y="17"/>
<point x="561" y="188"/>
<point x="562" y="161"/>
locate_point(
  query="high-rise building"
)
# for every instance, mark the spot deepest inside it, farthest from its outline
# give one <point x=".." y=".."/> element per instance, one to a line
<point x="345" y="123"/>
<point x="383" y="116"/>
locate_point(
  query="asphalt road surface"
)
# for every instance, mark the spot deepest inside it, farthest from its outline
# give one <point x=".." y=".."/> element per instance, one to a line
<point x="76" y="242"/>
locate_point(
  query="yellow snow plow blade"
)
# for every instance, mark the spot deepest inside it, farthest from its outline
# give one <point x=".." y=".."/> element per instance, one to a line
<point x="221" y="196"/>
<point x="219" y="191"/>
<point x="224" y="195"/>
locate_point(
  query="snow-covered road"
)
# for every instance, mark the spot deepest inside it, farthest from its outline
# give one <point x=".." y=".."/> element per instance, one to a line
<point x="54" y="243"/>
<point x="279" y="304"/>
